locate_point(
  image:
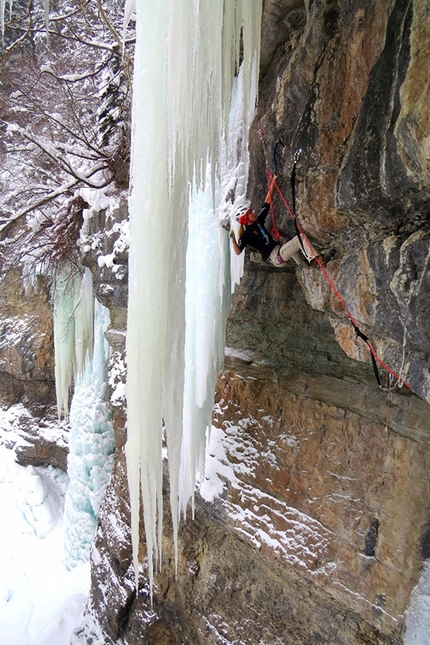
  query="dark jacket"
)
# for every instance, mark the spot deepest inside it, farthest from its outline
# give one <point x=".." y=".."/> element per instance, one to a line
<point x="257" y="236"/>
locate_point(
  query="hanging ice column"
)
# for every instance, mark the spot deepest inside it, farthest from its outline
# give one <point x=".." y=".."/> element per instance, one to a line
<point x="73" y="331"/>
<point x="187" y="53"/>
<point x="209" y="289"/>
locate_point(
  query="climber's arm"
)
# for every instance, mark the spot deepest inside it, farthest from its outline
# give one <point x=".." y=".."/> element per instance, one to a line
<point x="269" y="196"/>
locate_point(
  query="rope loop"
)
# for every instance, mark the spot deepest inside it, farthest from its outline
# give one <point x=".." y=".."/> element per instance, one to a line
<point x="275" y="233"/>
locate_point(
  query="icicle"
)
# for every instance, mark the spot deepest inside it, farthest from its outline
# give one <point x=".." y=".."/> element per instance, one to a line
<point x="73" y="332"/>
<point x="148" y="268"/>
<point x="130" y="7"/>
<point x="2" y="14"/>
<point x="84" y="322"/>
<point x="64" y="341"/>
<point x="46" y="9"/>
<point x="206" y="300"/>
<point x="46" y="5"/>
<point x="187" y="53"/>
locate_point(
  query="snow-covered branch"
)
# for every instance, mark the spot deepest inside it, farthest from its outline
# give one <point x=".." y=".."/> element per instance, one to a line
<point x="55" y="154"/>
<point x="62" y="190"/>
<point x="64" y="124"/>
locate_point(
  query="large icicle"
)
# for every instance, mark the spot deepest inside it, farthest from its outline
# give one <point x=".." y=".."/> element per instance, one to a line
<point x="187" y="52"/>
<point x="150" y="224"/>
<point x="73" y="331"/>
<point x="208" y="291"/>
<point x="210" y="280"/>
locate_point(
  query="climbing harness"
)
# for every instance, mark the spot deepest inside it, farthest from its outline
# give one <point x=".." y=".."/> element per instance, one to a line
<point x="303" y="239"/>
<point x="279" y="256"/>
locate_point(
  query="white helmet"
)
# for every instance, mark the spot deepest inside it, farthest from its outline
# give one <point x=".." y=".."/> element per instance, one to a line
<point x="243" y="210"/>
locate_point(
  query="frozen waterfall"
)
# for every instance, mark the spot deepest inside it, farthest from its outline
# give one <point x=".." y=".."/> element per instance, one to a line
<point x="91" y="447"/>
<point x="81" y="358"/>
<point x="73" y="331"/>
<point x="191" y="116"/>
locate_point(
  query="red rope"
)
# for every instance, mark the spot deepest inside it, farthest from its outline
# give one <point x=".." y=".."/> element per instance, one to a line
<point x="335" y="291"/>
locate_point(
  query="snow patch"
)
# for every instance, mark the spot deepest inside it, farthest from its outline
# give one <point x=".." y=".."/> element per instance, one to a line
<point x="265" y="521"/>
<point x="40" y="602"/>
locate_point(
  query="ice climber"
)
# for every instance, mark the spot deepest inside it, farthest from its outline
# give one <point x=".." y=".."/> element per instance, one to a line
<point x="253" y="233"/>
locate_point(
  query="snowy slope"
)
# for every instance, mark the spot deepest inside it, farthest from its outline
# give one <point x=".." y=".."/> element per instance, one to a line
<point x="40" y="602"/>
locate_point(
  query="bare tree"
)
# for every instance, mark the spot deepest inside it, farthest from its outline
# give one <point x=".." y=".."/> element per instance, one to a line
<point x="65" y="100"/>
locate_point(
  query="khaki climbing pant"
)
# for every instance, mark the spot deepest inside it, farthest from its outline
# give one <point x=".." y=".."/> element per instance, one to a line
<point x="291" y="249"/>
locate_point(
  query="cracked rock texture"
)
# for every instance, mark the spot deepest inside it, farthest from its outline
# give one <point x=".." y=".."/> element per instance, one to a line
<point x="26" y="343"/>
<point x="321" y="528"/>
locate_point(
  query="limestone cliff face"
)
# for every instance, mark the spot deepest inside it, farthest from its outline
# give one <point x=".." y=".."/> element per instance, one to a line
<point x="349" y="91"/>
<point x="321" y="525"/>
<point x="320" y="530"/>
<point x="26" y="346"/>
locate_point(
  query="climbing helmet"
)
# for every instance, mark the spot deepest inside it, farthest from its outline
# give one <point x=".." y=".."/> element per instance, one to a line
<point x="242" y="215"/>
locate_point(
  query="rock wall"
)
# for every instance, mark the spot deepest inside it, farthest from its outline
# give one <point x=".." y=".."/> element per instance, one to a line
<point x="321" y="523"/>
<point x="26" y="343"/>
<point x="27" y="371"/>
<point x="317" y="536"/>
<point x="348" y="89"/>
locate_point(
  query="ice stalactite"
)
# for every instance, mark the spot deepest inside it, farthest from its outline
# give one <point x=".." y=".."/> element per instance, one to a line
<point x="3" y="4"/>
<point x="210" y="281"/>
<point x="91" y="447"/>
<point x="73" y="331"/>
<point x="207" y="300"/>
<point x="187" y="55"/>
